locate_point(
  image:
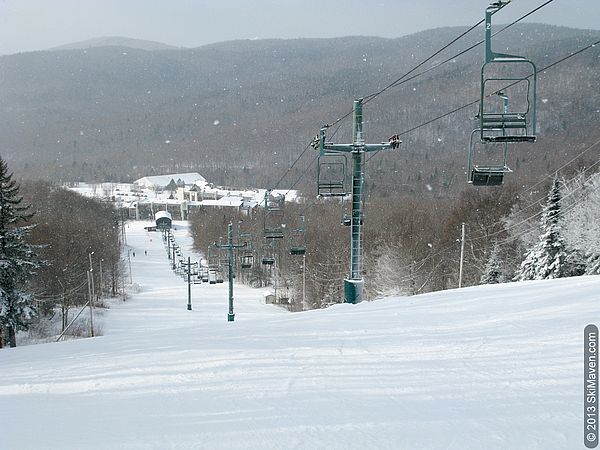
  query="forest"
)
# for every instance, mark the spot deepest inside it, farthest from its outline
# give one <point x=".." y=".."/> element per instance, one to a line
<point x="414" y="246"/>
<point x="54" y="244"/>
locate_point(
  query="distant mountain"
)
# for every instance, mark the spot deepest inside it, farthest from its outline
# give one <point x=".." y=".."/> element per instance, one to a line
<point x="241" y="112"/>
<point x="116" y="41"/>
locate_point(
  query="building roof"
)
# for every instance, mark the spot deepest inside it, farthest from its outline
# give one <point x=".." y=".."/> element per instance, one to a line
<point x="164" y="180"/>
<point x="236" y="202"/>
<point x="162" y="214"/>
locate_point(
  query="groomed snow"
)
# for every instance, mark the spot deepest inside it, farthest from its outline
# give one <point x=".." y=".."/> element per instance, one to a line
<point x="493" y="367"/>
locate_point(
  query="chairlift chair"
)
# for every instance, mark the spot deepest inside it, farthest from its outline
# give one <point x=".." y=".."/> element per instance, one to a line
<point x="273" y="217"/>
<point x="332" y="175"/>
<point x="488" y="174"/>
<point x="219" y="277"/>
<point x="267" y="260"/>
<point x="497" y="121"/>
<point x="273" y="232"/>
<point x="298" y="246"/>
<point x="212" y="276"/>
<point x="246" y="259"/>
<point x="213" y="260"/>
<point x="203" y="274"/>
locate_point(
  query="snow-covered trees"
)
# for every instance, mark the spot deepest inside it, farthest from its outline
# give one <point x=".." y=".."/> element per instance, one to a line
<point x="549" y="257"/>
<point x="73" y="226"/>
<point x="582" y="231"/>
<point x="18" y="261"/>
<point x="492" y="273"/>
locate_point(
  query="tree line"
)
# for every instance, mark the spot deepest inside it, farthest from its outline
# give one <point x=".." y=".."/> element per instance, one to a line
<point x="48" y="235"/>
<point x="413" y="245"/>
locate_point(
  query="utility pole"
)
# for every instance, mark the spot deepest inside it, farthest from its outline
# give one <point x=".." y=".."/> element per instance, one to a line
<point x="353" y="285"/>
<point x="462" y="254"/>
<point x="230" y="246"/>
<point x="93" y="294"/>
<point x="90" y="304"/>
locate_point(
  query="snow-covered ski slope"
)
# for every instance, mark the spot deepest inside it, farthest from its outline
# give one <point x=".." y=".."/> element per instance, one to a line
<point x="493" y="367"/>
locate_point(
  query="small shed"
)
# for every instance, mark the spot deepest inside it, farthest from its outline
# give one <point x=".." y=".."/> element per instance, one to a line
<point x="269" y="298"/>
<point x="163" y="220"/>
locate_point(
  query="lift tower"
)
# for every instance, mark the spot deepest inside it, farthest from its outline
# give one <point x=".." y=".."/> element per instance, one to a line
<point x="353" y="285"/>
<point x="230" y="246"/>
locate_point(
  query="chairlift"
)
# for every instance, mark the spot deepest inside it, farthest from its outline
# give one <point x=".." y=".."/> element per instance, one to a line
<point x="223" y="257"/>
<point x="219" y="277"/>
<point x="300" y="250"/>
<point x="212" y="276"/>
<point x="298" y="245"/>
<point x="499" y="122"/>
<point x="332" y="175"/>
<point x="273" y="216"/>
<point x="203" y="274"/>
<point x="488" y="174"/>
<point x="246" y="259"/>
<point x="213" y="260"/>
<point x="268" y="257"/>
<point x="267" y="260"/>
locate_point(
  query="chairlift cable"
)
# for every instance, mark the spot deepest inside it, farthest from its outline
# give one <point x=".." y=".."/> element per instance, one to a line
<point x="543" y="69"/>
<point x="403" y="79"/>
<point x="396" y="82"/>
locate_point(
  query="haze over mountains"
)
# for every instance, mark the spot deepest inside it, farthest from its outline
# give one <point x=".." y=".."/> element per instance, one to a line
<point x="116" y="41"/>
<point x="240" y="112"/>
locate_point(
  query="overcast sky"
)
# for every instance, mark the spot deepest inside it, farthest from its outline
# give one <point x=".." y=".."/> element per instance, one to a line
<point x="27" y="25"/>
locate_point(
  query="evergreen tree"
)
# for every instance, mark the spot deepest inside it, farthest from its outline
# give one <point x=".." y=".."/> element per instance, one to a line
<point x="18" y="261"/>
<point x="492" y="273"/>
<point x="549" y="257"/>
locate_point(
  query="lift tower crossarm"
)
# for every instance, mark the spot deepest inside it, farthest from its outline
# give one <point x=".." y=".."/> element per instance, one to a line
<point x="353" y="285"/>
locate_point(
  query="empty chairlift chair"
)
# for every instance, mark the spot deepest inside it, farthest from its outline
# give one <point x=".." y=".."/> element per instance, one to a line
<point x="513" y="76"/>
<point x="331" y="175"/>
<point x="268" y="258"/>
<point x="273" y="216"/>
<point x="489" y="173"/>
<point x="297" y="240"/>
<point x="246" y="256"/>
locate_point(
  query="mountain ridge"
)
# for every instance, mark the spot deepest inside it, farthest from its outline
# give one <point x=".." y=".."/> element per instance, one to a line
<point x="241" y="112"/>
<point x="115" y="41"/>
